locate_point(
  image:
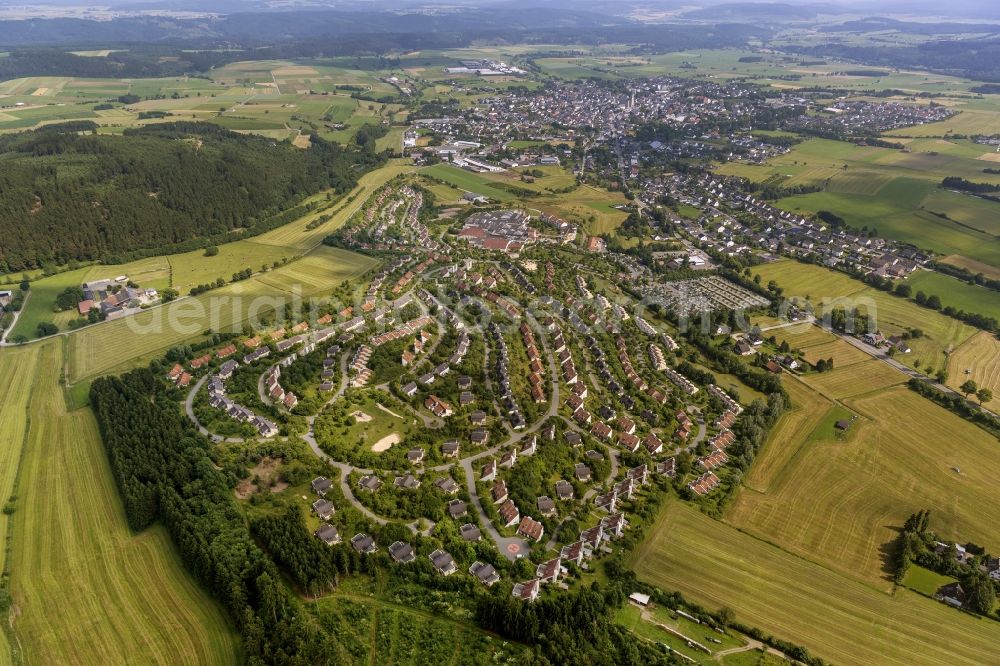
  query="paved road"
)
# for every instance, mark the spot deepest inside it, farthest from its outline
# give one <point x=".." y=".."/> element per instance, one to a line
<point x="189" y="408"/>
<point x="908" y="371"/>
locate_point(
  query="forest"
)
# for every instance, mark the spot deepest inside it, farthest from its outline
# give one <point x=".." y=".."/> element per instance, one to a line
<point x="68" y="193"/>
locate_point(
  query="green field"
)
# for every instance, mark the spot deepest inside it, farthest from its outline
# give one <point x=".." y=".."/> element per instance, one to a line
<point x="838" y="618"/>
<point x="468" y="181"/>
<point x="121" y="597"/>
<point x="956" y="293"/>
<point x="925" y="581"/>
<point x="892" y="315"/>
<point x="19" y="367"/>
<point x="123" y="343"/>
<point x="839" y="501"/>
<point x="42" y="299"/>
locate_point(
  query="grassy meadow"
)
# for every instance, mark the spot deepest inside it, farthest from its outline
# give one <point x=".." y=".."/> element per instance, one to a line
<point x="139" y="338"/>
<point x="838" y="618"/>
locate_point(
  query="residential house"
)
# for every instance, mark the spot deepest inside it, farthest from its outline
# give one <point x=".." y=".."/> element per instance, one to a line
<point x="443" y="562"/>
<point x="484" y="572"/>
<point x="323" y="508"/>
<point x="531" y="529"/>
<point x="363" y="543"/>
<point x="402" y="553"/>
<point x="328" y="534"/>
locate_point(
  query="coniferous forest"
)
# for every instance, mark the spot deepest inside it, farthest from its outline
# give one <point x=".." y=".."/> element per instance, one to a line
<point x="68" y="193"/>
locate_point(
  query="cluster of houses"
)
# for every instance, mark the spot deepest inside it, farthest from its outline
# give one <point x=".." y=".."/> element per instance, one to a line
<point x="765" y="228"/>
<point x="218" y="399"/>
<point x="535" y="368"/>
<point x="501" y="370"/>
<point x="114" y="297"/>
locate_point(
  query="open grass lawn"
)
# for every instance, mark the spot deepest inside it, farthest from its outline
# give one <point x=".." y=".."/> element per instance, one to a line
<point x="754" y="658"/>
<point x="838" y="618"/>
<point x="892" y="315"/>
<point x="42" y="300"/>
<point x="977" y="359"/>
<point x="925" y="581"/>
<point x="468" y="181"/>
<point x="123" y="343"/>
<point x="807" y="280"/>
<point x="956" y="293"/>
<point x="589" y="206"/>
<point x="631" y="618"/>
<point x="190" y="269"/>
<point x="839" y="501"/>
<point x="86" y="589"/>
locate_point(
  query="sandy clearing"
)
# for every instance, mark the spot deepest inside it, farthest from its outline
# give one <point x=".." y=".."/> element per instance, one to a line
<point x="386" y="442"/>
<point x="39" y="92"/>
<point x="360" y="416"/>
<point x="989" y="157"/>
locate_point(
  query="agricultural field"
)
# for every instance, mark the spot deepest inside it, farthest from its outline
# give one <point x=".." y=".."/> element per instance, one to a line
<point x="121" y="596"/>
<point x="956" y="293"/>
<point x="271" y="98"/>
<point x="838" y="618"/>
<point x="817" y="344"/>
<point x="892" y="315"/>
<point x="140" y="337"/>
<point x="808" y="281"/>
<point x="797" y="424"/>
<point x="972" y="265"/>
<point x="977" y="359"/>
<point x="19" y="368"/>
<point x="864" y="377"/>
<point x="840" y="501"/>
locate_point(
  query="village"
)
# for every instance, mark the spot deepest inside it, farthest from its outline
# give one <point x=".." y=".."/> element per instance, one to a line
<point x="508" y="387"/>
